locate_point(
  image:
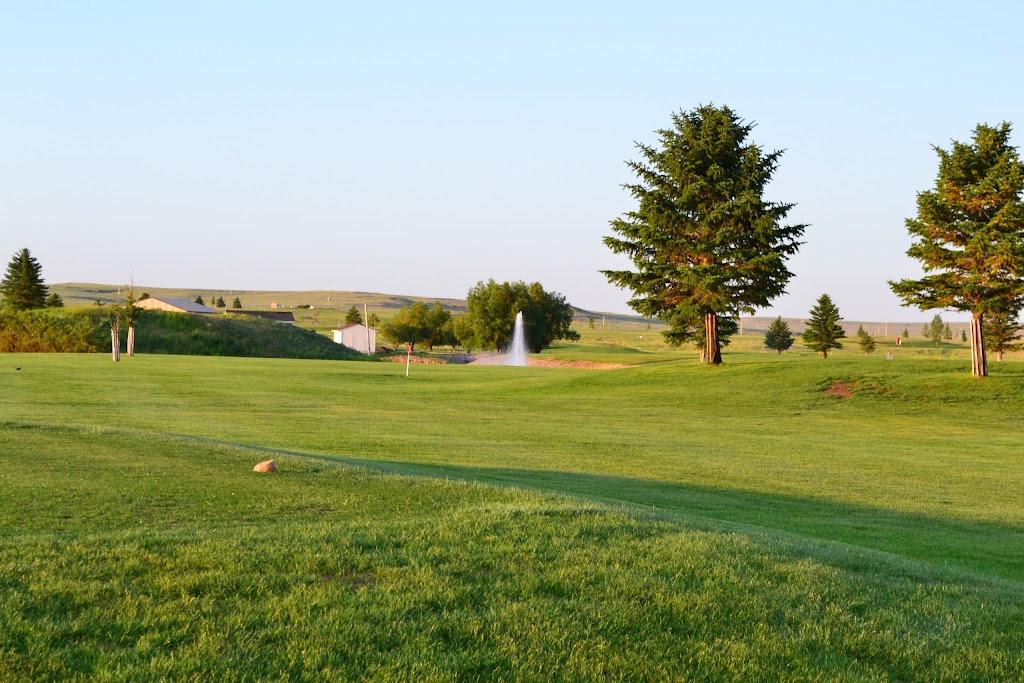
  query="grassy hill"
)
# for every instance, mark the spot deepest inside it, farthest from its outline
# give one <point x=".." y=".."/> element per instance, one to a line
<point x="667" y="521"/>
<point x="86" y="329"/>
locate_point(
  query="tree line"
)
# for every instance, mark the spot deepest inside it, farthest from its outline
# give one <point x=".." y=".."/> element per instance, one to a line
<point x="707" y="246"/>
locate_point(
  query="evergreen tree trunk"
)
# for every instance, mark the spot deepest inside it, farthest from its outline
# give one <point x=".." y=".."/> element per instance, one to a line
<point x="712" y="349"/>
<point x="979" y="368"/>
<point x="131" y="340"/>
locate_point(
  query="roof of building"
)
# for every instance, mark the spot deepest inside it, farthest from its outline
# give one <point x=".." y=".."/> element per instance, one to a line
<point x="279" y="316"/>
<point x="345" y="327"/>
<point x="186" y="305"/>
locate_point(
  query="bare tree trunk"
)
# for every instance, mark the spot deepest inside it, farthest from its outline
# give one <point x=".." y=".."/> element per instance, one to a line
<point x="115" y="344"/>
<point x="712" y="348"/>
<point x="131" y="340"/>
<point x="979" y="368"/>
<point x="999" y="356"/>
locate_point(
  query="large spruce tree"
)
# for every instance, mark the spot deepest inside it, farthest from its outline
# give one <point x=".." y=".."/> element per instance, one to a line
<point x="823" y="332"/>
<point x="22" y="287"/>
<point x="969" y="235"/>
<point x="703" y="239"/>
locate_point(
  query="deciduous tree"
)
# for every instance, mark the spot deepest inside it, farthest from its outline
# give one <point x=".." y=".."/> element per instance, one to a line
<point x="22" y="286"/>
<point x="969" y="235"/>
<point x="492" y="307"/>
<point x="823" y="332"/>
<point x="704" y="240"/>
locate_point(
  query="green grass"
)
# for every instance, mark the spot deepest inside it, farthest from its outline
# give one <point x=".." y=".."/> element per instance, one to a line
<point x="668" y="521"/>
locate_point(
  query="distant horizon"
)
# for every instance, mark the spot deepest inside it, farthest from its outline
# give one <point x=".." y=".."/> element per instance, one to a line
<point x="235" y="291"/>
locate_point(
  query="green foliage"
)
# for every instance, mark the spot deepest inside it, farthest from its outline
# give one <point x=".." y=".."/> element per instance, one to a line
<point x="779" y="337"/>
<point x="703" y="238"/>
<point x="462" y="332"/>
<point x="47" y="331"/>
<point x="22" y="286"/>
<point x="695" y="333"/>
<point x="145" y="295"/>
<point x="373" y="320"/>
<point x="963" y="335"/>
<point x="947" y="332"/>
<point x="353" y="316"/>
<point x="906" y="333"/>
<point x="199" y="300"/>
<point x="936" y="329"/>
<point x="969" y="232"/>
<point x="492" y="308"/>
<point x="823" y="332"/>
<point x="865" y="341"/>
<point x="220" y="302"/>
<point x="54" y="301"/>
<point x="1002" y="334"/>
<point x="418" y="323"/>
<point x="926" y="330"/>
<point x="237" y="303"/>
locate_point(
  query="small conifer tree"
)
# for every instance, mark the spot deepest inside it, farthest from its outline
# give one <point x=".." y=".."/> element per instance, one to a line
<point x="906" y="333"/>
<point x="220" y="302"/>
<point x="779" y="337"/>
<point x="936" y="329"/>
<point x="237" y="303"/>
<point x="963" y="335"/>
<point x="1001" y="334"/>
<point x="865" y="341"/>
<point x="199" y="300"/>
<point x="22" y="287"/>
<point x="353" y="316"/>
<point x="823" y="332"/>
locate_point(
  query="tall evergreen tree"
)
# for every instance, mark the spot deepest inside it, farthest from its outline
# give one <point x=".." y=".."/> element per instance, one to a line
<point x="1001" y="334"/>
<point x="969" y="235"/>
<point x="779" y="337"/>
<point x="823" y="332"/>
<point x="704" y="240"/>
<point x="22" y="286"/>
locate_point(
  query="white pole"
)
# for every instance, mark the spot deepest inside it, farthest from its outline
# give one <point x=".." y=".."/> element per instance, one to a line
<point x="366" y="324"/>
<point x="408" y="359"/>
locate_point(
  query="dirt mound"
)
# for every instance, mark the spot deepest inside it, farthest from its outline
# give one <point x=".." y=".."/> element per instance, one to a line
<point x="840" y="389"/>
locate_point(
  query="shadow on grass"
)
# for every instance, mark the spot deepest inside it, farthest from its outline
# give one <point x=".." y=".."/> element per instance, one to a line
<point x="987" y="548"/>
<point x="991" y="549"/>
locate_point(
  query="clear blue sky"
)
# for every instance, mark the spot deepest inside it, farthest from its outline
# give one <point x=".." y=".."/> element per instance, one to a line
<point x="416" y="148"/>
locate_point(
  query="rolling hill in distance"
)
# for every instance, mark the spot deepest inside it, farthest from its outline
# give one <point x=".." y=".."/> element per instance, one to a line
<point x="85" y="293"/>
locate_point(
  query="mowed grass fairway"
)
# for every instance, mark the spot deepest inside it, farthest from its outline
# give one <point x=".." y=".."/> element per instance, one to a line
<point x="662" y="522"/>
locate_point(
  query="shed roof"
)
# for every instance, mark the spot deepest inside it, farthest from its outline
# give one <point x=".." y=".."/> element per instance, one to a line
<point x="186" y="305"/>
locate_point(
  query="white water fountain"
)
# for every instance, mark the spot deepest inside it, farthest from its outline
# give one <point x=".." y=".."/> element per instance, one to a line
<point x="515" y="354"/>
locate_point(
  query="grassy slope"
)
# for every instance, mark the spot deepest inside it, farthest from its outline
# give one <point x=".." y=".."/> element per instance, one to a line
<point x="751" y="474"/>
